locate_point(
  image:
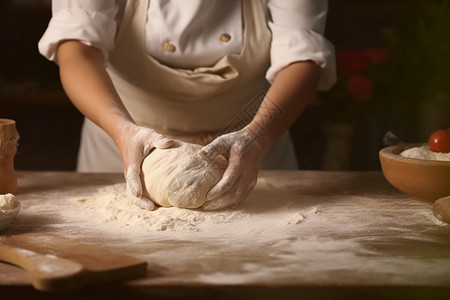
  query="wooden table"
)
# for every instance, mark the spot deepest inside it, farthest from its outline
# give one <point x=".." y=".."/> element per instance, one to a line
<point x="341" y="235"/>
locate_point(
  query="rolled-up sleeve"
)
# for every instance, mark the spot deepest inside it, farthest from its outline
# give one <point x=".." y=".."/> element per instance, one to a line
<point x="91" y="22"/>
<point x="297" y="28"/>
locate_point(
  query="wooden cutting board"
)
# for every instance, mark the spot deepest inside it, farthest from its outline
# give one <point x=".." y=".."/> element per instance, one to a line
<point x="56" y="263"/>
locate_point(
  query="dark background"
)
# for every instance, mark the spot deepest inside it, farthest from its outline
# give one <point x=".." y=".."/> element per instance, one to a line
<point x="415" y="33"/>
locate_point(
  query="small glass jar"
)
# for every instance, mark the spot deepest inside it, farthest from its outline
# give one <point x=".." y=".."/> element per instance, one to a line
<point x="8" y="149"/>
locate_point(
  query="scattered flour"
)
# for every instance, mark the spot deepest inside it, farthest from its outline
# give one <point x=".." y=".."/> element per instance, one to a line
<point x="112" y="204"/>
<point x="111" y="208"/>
<point x="299" y="216"/>
<point x="8" y="202"/>
<point x="424" y="152"/>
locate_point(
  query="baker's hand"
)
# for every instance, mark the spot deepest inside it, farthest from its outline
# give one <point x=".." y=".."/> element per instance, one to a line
<point x="136" y="143"/>
<point x="244" y="154"/>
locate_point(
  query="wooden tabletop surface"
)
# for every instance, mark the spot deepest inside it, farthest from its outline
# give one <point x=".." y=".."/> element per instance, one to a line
<point x="314" y="234"/>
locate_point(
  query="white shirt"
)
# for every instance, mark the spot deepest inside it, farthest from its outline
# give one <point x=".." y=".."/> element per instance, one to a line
<point x="195" y="31"/>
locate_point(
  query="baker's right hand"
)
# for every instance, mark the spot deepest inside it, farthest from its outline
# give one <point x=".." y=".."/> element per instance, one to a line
<point x="135" y="144"/>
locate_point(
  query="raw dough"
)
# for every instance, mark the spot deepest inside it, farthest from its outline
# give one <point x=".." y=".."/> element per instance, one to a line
<point x="178" y="177"/>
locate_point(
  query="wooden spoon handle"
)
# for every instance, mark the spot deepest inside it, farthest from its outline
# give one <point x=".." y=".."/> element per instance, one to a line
<point x="48" y="272"/>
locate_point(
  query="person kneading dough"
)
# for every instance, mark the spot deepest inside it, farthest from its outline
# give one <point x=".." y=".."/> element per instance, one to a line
<point x="178" y="176"/>
<point x="148" y="72"/>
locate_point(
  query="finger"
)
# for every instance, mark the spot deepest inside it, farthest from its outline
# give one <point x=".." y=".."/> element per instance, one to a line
<point x="144" y="203"/>
<point x="133" y="179"/>
<point x="219" y="203"/>
<point x="161" y="142"/>
<point x="229" y="199"/>
<point x="221" y="162"/>
<point x="216" y="147"/>
<point x="221" y="187"/>
<point x="228" y="179"/>
<point x="147" y="150"/>
<point x="134" y="189"/>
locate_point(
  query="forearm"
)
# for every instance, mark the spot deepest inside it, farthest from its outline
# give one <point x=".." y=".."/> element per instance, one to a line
<point x="90" y="88"/>
<point x="291" y="92"/>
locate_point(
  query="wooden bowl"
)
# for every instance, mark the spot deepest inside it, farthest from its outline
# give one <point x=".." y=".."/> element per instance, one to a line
<point x="421" y="179"/>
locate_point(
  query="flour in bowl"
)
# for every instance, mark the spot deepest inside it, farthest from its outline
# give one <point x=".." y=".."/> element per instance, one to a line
<point x="8" y="202"/>
<point x="424" y="152"/>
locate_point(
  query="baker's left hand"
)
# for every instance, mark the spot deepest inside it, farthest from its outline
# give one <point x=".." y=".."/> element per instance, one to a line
<point x="244" y="154"/>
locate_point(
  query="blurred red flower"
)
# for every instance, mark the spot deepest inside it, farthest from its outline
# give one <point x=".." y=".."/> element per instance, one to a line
<point x="355" y="66"/>
<point x="352" y="62"/>
<point x="360" y="87"/>
<point x="376" y="55"/>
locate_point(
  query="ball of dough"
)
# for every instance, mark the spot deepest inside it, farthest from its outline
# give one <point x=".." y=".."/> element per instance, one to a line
<point x="178" y="177"/>
<point x="441" y="209"/>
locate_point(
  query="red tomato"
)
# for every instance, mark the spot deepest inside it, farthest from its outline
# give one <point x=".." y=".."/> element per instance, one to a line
<point x="439" y="141"/>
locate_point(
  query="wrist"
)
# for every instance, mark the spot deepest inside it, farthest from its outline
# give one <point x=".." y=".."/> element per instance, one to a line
<point x="121" y="133"/>
<point x="259" y="136"/>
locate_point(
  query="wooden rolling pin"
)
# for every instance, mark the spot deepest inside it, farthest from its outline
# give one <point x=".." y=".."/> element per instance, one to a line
<point x="441" y="209"/>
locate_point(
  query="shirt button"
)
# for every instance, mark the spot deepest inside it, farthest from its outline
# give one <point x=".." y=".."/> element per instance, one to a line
<point x="169" y="47"/>
<point x="225" y="37"/>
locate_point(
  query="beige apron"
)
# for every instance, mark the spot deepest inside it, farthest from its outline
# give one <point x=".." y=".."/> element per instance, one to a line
<point x="191" y="105"/>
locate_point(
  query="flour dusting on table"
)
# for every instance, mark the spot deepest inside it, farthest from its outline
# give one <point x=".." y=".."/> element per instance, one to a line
<point x="313" y="229"/>
<point x="112" y="204"/>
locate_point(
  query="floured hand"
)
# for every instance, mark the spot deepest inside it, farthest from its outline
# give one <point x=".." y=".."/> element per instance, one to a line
<point x="136" y="143"/>
<point x="244" y="154"/>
